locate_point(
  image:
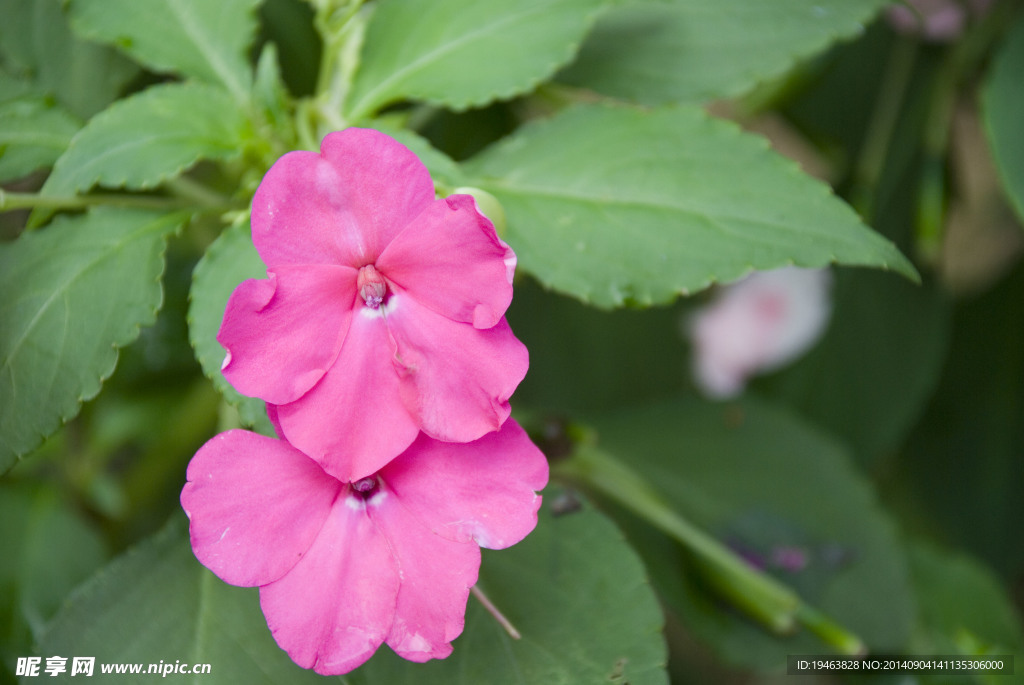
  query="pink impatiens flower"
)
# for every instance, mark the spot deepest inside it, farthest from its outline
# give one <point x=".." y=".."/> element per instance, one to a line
<point x="383" y="311"/>
<point x="757" y="325"/>
<point x="345" y="566"/>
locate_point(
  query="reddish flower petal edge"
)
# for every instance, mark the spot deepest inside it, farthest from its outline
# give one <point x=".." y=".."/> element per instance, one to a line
<point x="351" y="237"/>
<point x="343" y="567"/>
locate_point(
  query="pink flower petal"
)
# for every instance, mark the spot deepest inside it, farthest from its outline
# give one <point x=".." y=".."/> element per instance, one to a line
<point x="342" y="206"/>
<point x="436" y="576"/>
<point x="336" y="606"/>
<point x="255" y="505"/>
<point x="483" y="490"/>
<point x="456" y="379"/>
<point x="282" y="334"/>
<point x="274" y="421"/>
<point x="353" y="422"/>
<point x="453" y="262"/>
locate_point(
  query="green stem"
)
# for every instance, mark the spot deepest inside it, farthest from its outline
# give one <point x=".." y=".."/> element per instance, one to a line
<point x="880" y="130"/>
<point x="762" y="597"/>
<point x="341" y="31"/>
<point x="197" y="193"/>
<point x="11" y="201"/>
<point x="960" y="64"/>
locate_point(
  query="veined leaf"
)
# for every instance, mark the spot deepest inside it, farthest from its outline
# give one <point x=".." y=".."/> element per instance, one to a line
<point x="33" y="134"/>
<point x="156" y="603"/>
<point x="73" y="294"/>
<point x="198" y="38"/>
<point x="37" y="44"/>
<point x="462" y="54"/>
<point x="148" y="138"/>
<point x="617" y="206"/>
<point x="657" y="51"/>
<point x="578" y="595"/>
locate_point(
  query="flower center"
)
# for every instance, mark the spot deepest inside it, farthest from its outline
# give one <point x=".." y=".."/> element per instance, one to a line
<point x="365" y="487"/>
<point x="372" y="286"/>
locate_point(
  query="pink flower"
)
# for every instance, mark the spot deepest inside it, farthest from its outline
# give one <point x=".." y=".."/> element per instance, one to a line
<point x="383" y="311"/>
<point x="344" y="566"/>
<point x="758" y="324"/>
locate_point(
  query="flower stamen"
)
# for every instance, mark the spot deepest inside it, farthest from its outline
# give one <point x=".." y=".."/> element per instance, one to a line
<point x="365" y="487"/>
<point x="372" y="286"/>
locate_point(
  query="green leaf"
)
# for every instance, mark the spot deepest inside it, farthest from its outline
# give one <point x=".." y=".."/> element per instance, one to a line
<point x="621" y="206"/>
<point x="197" y="38"/>
<point x="1003" y="106"/>
<point x="156" y="603"/>
<point x="34" y="132"/>
<point x="73" y="294"/>
<point x="230" y="260"/>
<point x="884" y="348"/>
<point x="959" y="598"/>
<point x="35" y="42"/>
<point x="580" y="599"/>
<point x="655" y="52"/>
<point x="781" y="494"/>
<point x="148" y="138"/>
<point x="49" y="550"/>
<point x="461" y="54"/>
<point x="573" y="588"/>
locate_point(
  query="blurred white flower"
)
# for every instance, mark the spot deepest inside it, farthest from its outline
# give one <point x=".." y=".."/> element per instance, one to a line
<point x="758" y="324"/>
<point x="935" y="20"/>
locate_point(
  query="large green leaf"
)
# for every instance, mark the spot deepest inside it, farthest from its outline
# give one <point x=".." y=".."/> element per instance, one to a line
<point x="573" y="588"/>
<point x="653" y="51"/>
<point x="73" y="294"/>
<point x="36" y="43"/>
<point x="198" y="38"/>
<point x="230" y="260"/>
<point x="884" y="349"/>
<point x="34" y="132"/>
<point x="1003" y="105"/>
<point x="961" y="602"/>
<point x="48" y="551"/>
<point x="784" y="496"/>
<point x="156" y="603"/>
<point x="581" y="600"/>
<point x="616" y="205"/>
<point x="143" y="140"/>
<point x="462" y="54"/>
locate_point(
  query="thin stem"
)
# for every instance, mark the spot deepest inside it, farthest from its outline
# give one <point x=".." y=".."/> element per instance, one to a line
<point x="761" y="596"/>
<point x="341" y="30"/>
<point x="884" y="117"/>
<point x="493" y="610"/>
<point x="199" y="194"/>
<point x="11" y="201"/>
